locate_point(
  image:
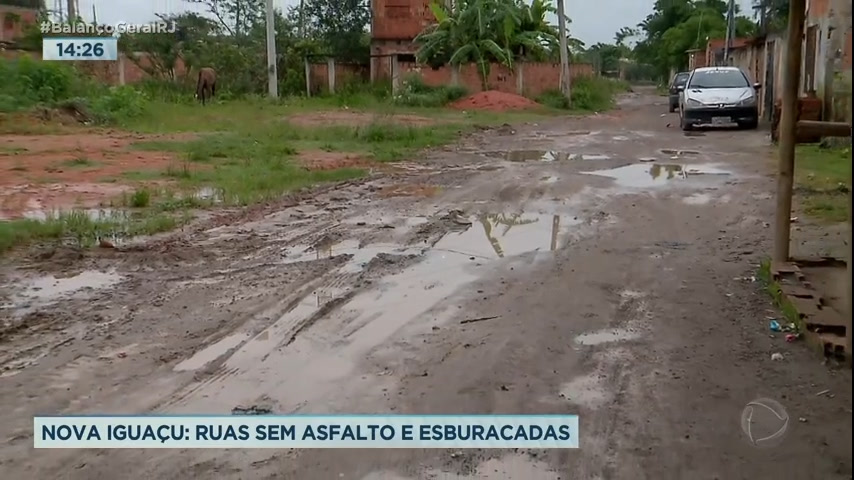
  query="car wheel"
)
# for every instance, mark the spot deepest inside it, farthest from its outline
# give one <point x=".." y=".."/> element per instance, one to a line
<point x="684" y="124"/>
<point x="750" y="124"/>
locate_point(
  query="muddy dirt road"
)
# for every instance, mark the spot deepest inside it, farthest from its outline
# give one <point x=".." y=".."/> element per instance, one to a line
<point x="614" y="253"/>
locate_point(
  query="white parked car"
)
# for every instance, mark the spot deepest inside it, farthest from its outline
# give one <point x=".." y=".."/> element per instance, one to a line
<point x="718" y="96"/>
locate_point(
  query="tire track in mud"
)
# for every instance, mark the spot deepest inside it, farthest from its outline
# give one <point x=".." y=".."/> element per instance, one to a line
<point x="286" y="319"/>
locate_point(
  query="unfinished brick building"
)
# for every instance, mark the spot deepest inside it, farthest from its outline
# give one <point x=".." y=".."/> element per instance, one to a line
<point x="394" y="24"/>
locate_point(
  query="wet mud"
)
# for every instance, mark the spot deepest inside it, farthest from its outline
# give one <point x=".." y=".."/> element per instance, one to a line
<point x="574" y="266"/>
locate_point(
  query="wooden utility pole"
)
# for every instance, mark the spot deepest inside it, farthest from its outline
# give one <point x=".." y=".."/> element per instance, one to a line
<point x="788" y="130"/>
<point x="848" y="332"/>
<point x="272" y="74"/>
<point x="564" y="52"/>
<point x="302" y="19"/>
<point x="72" y="11"/>
<point x="730" y="30"/>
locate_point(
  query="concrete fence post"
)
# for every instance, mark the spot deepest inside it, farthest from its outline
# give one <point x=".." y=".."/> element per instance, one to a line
<point x="395" y="74"/>
<point x="307" y="78"/>
<point x="520" y="78"/>
<point x="330" y="73"/>
<point x="455" y="75"/>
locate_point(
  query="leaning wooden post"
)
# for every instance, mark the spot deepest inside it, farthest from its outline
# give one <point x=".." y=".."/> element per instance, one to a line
<point x="788" y="133"/>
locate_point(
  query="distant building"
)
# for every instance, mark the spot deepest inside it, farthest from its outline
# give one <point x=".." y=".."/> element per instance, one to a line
<point x="394" y="25"/>
<point x="15" y="15"/>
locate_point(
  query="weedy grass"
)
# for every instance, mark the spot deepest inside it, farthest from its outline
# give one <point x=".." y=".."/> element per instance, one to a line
<point x="823" y="179"/>
<point x="83" y="228"/>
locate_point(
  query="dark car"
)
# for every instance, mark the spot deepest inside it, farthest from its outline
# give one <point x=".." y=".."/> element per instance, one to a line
<point x="678" y="81"/>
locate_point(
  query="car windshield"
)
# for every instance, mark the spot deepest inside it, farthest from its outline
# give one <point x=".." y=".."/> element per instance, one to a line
<point x="718" y="79"/>
<point x="680" y="79"/>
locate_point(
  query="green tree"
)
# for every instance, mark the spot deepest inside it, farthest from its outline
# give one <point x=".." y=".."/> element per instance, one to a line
<point x="467" y="34"/>
<point x="234" y="17"/>
<point x="675" y="26"/>
<point x="341" y="25"/>
<point x="163" y="50"/>
<point x="485" y="32"/>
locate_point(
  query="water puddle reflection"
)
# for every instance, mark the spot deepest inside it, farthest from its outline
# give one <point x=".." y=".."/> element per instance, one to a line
<point x="361" y="254"/>
<point x="49" y="288"/>
<point x="654" y="175"/>
<point x="606" y="336"/>
<point x="211" y="352"/>
<point x="94" y="214"/>
<point x="507" y="234"/>
<point x="549" y="156"/>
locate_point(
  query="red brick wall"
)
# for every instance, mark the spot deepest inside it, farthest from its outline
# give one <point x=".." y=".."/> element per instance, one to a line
<point x="106" y="72"/>
<point x="344" y="73"/>
<point x="400" y="19"/>
<point x="818" y="8"/>
<point x="9" y="29"/>
<point x="537" y="77"/>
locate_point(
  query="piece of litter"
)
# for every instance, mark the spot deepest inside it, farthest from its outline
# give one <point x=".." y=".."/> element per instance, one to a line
<point x="774" y="326"/>
<point x="481" y="319"/>
<point x="253" y="410"/>
<point x="802" y="420"/>
<point x="822" y="393"/>
<point x="777" y="357"/>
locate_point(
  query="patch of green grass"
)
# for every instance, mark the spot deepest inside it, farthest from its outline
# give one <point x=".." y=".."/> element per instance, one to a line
<point x="11" y="150"/>
<point x="823" y="178"/>
<point x="83" y="228"/>
<point x="79" y="162"/>
<point x="790" y="313"/>
<point x="588" y="94"/>
<point x="140" y="198"/>
<point x="137" y="176"/>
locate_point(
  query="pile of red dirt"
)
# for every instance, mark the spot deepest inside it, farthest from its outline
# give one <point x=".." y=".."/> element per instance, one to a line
<point x="494" y="101"/>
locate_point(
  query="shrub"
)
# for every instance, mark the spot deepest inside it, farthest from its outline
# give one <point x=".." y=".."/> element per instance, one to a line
<point x="28" y="83"/>
<point x="416" y="93"/>
<point x="553" y="98"/>
<point x="117" y="104"/>
<point x="595" y="93"/>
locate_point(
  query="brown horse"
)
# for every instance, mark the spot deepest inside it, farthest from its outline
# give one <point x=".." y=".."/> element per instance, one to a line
<point x="206" y="86"/>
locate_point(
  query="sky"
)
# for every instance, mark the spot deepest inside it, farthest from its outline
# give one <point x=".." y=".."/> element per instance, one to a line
<point x="593" y="21"/>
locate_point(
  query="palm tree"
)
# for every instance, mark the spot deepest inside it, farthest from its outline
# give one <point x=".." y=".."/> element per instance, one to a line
<point x="534" y="36"/>
<point x="490" y="221"/>
<point x="465" y="35"/>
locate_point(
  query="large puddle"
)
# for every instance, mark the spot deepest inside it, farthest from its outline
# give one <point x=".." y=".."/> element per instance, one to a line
<point x="642" y="175"/>
<point x="48" y="289"/>
<point x="417" y="297"/>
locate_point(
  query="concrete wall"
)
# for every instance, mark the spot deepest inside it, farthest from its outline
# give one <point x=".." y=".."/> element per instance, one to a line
<point x="826" y="68"/>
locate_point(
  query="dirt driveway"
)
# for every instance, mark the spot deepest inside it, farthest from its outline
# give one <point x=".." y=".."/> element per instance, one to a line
<point x="614" y="253"/>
